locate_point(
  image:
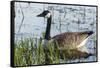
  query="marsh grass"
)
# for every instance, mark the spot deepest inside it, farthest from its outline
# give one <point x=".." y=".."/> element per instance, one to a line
<point x="26" y="52"/>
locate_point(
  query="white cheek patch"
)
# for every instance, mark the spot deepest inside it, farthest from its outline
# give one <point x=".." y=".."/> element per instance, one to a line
<point x="48" y="15"/>
<point x="83" y="43"/>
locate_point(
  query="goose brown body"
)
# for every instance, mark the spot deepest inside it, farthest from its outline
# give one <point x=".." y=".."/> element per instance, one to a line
<point x="70" y="40"/>
<point x="69" y="44"/>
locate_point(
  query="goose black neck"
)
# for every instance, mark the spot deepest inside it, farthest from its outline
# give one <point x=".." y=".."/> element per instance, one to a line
<point x="47" y="35"/>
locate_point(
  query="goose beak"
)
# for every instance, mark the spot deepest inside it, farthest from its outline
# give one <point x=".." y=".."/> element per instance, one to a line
<point x="40" y="15"/>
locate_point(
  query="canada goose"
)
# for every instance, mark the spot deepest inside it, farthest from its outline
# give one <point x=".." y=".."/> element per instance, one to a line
<point x="68" y="40"/>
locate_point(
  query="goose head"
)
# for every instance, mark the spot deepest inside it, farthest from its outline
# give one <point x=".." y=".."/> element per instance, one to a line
<point x="45" y="14"/>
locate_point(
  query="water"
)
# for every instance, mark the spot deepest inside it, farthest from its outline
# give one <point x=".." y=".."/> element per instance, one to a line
<point x="66" y="18"/>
